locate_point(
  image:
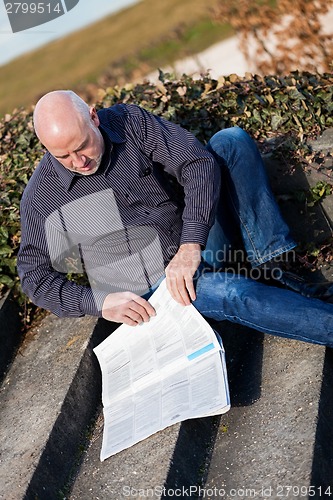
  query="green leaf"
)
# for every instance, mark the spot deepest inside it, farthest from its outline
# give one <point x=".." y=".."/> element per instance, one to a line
<point x="256" y="116"/>
<point x="296" y="94"/>
<point x="6" y="280"/>
<point x="6" y="250"/>
<point x="277" y="120"/>
<point x="3" y="235"/>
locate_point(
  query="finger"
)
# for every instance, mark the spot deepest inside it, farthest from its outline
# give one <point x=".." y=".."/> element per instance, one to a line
<point x="137" y="313"/>
<point x="178" y="291"/>
<point x="129" y="321"/>
<point x="190" y="288"/>
<point x="133" y="317"/>
<point x="148" y="308"/>
<point x="146" y="311"/>
<point x="173" y="289"/>
<point x="182" y="290"/>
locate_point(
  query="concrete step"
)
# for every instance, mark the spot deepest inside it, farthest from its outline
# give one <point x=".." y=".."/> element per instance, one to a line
<point x="48" y="399"/>
<point x="277" y="433"/>
<point x="143" y="467"/>
<point x="284" y="438"/>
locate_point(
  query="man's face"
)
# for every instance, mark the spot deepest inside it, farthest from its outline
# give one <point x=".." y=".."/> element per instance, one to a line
<point x="80" y="148"/>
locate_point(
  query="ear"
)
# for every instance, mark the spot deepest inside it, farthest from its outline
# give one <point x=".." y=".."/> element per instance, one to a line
<point x="94" y="116"/>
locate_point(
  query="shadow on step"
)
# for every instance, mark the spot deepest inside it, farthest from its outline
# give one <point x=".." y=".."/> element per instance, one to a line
<point x="322" y="465"/>
<point x="193" y="451"/>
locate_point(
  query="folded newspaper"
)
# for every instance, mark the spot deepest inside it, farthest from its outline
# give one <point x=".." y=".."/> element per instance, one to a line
<point x="156" y="374"/>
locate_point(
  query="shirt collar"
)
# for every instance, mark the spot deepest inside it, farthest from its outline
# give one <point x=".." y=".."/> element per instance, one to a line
<point x="67" y="176"/>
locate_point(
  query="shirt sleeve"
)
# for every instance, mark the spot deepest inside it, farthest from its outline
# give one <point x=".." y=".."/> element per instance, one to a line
<point x="41" y="282"/>
<point x="184" y="157"/>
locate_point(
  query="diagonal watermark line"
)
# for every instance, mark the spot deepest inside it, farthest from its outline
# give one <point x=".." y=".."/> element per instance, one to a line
<point x="63" y="5"/>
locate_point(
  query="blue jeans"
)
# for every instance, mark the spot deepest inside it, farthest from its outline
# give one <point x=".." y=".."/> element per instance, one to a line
<point x="247" y="206"/>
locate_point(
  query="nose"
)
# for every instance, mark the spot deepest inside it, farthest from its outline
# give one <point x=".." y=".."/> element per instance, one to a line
<point x="78" y="160"/>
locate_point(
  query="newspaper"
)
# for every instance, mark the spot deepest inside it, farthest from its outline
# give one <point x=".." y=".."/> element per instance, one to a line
<point x="156" y="374"/>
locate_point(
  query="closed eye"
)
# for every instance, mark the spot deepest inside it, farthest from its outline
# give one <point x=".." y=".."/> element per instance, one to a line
<point x="82" y="146"/>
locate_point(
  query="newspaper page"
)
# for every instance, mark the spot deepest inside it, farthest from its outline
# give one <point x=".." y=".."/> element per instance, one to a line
<point x="156" y="374"/>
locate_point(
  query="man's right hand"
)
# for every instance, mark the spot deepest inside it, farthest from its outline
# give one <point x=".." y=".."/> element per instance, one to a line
<point x="128" y="308"/>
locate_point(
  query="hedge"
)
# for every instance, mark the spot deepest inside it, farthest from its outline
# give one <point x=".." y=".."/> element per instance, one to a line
<point x="300" y="105"/>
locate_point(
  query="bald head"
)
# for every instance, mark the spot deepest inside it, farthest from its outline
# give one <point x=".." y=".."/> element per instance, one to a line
<point x="68" y="128"/>
<point x="58" y="110"/>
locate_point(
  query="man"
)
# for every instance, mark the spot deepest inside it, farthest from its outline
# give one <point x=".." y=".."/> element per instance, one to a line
<point x="106" y="193"/>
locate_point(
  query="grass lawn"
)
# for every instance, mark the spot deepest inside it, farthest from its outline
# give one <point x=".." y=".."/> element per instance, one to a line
<point x="147" y="35"/>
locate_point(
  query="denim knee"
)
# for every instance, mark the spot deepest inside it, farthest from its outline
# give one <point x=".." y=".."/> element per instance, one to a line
<point x="233" y="145"/>
<point x="226" y="139"/>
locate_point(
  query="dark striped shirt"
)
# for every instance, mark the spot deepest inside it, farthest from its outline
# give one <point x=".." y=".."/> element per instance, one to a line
<point x="156" y="182"/>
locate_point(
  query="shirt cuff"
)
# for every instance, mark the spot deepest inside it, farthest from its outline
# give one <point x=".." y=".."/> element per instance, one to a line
<point x="195" y="232"/>
<point x="92" y="302"/>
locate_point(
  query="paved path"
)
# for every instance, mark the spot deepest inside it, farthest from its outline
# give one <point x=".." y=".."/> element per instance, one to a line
<point x="223" y="58"/>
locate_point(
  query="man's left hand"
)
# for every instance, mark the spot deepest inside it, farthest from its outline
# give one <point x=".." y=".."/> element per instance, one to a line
<point x="180" y="271"/>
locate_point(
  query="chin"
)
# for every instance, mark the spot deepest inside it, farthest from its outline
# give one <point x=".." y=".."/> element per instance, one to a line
<point x="93" y="170"/>
<point x="89" y="172"/>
